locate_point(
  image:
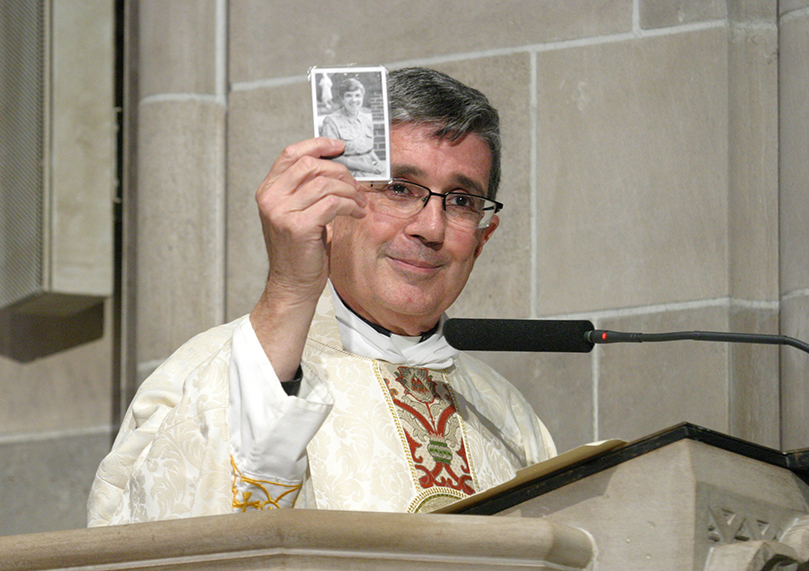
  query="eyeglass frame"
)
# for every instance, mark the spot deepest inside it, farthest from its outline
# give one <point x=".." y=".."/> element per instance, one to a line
<point x="498" y="206"/>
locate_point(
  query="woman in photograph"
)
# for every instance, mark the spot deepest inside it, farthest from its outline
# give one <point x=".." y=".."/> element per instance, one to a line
<point x="355" y="127"/>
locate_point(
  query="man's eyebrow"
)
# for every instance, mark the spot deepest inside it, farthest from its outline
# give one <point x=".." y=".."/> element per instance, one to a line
<point x="461" y="181"/>
<point x="471" y="184"/>
<point x="405" y="170"/>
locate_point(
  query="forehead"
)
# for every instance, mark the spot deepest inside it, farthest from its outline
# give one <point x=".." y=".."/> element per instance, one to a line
<point x="417" y="153"/>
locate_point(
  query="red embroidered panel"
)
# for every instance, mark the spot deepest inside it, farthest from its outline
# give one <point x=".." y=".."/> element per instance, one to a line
<point x="432" y="428"/>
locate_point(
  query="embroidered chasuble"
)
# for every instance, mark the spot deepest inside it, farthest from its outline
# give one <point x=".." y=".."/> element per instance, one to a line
<point x="433" y="434"/>
<point x="397" y="438"/>
<point x="373" y="451"/>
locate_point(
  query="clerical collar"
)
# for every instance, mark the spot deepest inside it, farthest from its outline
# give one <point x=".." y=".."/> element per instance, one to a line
<point x="379" y="329"/>
<point x="358" y="336"/>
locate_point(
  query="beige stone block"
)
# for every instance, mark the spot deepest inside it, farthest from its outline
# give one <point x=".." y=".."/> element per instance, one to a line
<point x="787" y="6"/>
<point x="632" y="173"/>
<point x="559" y="387"/>
<point x="261" y="122"/>
<point x="368" y="32"/>
<point x="794" y="148"/>
<point x="500" y="286"/>
<point x="665" y="13"/>
<point x="794" y="214"/>
<point x="177" y="46"/>
<point x="78" y="234"/>
<point x="794" y="373"/>
<point x="753" y="148"/>
<point x="180" y="221"/>
<point x="753" y="10"/>
<point x="66" y="389"/>
<point x="643" y="388"/>
<point x="754" y="404"/>
<point x="46" y="481"/>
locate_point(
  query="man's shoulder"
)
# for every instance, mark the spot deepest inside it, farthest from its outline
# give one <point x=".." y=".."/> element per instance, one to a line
<point x="477" y="368"/>
<point x="485" y="383"/>
<point x="194" y="352"/>
<point x="216" y="336"/>
<point x="499" y="401"/>
<point x="483" y="380"/>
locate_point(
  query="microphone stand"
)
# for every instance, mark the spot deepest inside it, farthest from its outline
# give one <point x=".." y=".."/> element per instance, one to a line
<point x="603" y="336"/>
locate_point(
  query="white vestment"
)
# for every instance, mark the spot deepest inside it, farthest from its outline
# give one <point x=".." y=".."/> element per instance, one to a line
<point x="396" y="438"/>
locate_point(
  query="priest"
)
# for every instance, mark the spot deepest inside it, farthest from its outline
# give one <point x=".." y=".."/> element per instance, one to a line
<point x="339" y="391"/>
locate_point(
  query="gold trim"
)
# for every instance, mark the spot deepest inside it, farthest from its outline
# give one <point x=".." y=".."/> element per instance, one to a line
<point x="245" y="503"/>
<point x="438" y="495"/>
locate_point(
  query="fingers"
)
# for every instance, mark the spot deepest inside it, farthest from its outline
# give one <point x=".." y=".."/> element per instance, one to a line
<point x="301" y="177"/>
<point x="305" y="207"/>
<point x="300" y="196"/>
<point x="321" y="147"/>
<point x="311" y="152"/>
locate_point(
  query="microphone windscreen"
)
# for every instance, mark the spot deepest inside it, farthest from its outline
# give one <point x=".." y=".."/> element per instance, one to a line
<point x="540" y="335"/>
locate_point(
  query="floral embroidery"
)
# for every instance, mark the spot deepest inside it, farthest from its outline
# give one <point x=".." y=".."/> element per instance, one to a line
<point x="432" y="427"/>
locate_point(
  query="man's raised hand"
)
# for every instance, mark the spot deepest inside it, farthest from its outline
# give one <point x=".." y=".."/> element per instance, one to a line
<point x="301" y="195"/>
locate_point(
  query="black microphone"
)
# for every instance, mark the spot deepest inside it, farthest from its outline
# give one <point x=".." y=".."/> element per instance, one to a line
<point x="544" y="335"/>
<point x="572" y="336"/>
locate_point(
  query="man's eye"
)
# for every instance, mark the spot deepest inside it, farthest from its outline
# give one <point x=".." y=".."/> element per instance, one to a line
<point x="465" y="201"/>
<point x="398" y="189"/>
<point x="459" y="200"/>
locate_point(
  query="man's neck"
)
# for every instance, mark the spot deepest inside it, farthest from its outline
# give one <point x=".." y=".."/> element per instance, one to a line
<point x="382" y="330"/>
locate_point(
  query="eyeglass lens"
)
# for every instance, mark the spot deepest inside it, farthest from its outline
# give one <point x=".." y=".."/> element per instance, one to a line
<point x="404" y="199"/>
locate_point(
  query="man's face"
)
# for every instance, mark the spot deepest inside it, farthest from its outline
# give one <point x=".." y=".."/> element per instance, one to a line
<point x="403" y="273"/>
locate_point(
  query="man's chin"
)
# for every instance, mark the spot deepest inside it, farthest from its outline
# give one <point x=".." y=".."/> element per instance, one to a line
<point x="413" y="305"/>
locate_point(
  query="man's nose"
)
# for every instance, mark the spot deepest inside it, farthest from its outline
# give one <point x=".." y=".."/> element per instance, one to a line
<point x="430" y="222"/>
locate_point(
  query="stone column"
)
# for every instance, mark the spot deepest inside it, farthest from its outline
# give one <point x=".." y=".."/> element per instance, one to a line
<point x="794" y="216"/>
<point x="180" y="188"/>
<point x="753" y="217"/>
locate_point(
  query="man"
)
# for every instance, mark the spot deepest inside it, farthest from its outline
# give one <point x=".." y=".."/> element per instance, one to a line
<point x="339" y="391"/>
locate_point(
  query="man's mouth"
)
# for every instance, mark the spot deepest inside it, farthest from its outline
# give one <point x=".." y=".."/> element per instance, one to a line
<point x="415" y="264"/>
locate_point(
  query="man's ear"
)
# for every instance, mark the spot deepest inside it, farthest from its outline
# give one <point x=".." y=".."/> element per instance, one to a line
<point x="486" y="233"/>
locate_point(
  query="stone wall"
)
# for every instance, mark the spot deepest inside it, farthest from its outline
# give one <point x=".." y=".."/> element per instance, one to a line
<point x="649" y="183"/>
<point x="793" y="142"/>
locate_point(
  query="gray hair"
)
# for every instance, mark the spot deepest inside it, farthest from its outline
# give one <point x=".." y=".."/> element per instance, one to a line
<point x="425" y="96"/>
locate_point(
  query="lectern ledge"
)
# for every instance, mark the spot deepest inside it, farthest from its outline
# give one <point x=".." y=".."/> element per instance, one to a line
<point x="684" y="499"/>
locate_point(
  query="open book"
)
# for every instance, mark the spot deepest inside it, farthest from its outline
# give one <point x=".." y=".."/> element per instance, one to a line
<point x="530" y="473"/>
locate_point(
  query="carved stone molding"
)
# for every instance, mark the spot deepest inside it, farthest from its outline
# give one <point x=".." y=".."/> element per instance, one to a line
<point x="789" y="554"/>
<point x="727" y="526"/>
<point x="753" y="556"/>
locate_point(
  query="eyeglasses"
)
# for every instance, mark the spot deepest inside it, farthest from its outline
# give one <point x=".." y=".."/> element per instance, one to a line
<point x="403" y="199"/>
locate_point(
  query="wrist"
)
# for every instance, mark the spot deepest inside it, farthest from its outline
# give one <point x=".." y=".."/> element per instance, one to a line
<point x="281" y="323"/>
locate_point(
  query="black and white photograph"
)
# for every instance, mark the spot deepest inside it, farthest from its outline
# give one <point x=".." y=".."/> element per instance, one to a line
<point x="351" y="104"/>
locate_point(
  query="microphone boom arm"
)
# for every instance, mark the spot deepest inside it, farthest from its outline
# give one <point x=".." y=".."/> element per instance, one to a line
<point x="604" y="336"/>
